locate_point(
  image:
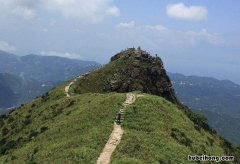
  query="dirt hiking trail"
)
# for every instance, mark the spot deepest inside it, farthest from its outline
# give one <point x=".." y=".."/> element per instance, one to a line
<point x="116" y="135"/>
<point x="67" y="92"/>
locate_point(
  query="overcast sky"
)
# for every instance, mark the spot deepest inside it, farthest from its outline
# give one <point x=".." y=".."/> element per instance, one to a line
<point x="199" y="37"/>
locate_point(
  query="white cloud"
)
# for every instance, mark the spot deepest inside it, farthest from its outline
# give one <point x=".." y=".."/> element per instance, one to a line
<point x="61" y="54"/>
<point x="25" y="13"/>
<point x="156" y="27"/>
<point x="180" y="11"/>
<point x="88" y="11"/>
<point x="113" y="11"/>
<point x="205" y="35"/>
<point x="162" y="37"/>
<point x="24" y="9"/>
<point x="4" y="46"/>
<point x="126" y="25"/>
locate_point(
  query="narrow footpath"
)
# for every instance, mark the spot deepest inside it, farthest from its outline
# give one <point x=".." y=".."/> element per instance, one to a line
<point x="67" y="92"/>
<point x="116" y="135"/>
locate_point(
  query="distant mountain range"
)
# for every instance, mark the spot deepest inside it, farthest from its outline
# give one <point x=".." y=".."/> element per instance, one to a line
<point x="22" y="78"/>
<point x="44" y="68"/>
<point x="218" y="100"/>
<point x="16" y="90"/>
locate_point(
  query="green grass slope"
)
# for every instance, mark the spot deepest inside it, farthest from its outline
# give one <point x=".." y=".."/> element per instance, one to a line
<point x="95" y="81"/>
<point x="157" y="131"/>
<point x="57" y="129"/>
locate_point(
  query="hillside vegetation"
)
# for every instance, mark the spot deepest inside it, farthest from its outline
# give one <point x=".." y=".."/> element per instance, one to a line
<point x="55" y="128"/>
<point x="157" y="131"/>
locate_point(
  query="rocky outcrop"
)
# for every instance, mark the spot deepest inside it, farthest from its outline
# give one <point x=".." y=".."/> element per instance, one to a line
<point x="140" y="72"/>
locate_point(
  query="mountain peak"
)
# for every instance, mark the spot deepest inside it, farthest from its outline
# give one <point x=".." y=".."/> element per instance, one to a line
<point x="132" y="53"/>
<point x="130" y="70"/>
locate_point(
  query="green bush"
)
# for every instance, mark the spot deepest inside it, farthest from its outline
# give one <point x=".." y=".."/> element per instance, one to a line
<point x="27" y="120"/>
<point x="45" y="97"/>
<point x="7" y="146"/>
<point x="32" y="134"/>
<point x="43" y="129"/>
<point x="5" y="131"/>
<point x="10" y="119"/>
<point x="180" y="137"/>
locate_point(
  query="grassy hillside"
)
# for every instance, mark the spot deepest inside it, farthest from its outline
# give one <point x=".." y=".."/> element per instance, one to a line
<point x="57" y="129"/>
<point x="157" y="131"/>
<point x="94" y="82"/>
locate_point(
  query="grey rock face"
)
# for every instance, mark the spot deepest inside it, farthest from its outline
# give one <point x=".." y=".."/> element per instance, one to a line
<point x="141" y="72"/>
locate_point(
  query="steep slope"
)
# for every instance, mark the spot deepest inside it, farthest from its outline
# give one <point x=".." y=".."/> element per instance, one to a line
<point x="56" y="128"/>
<point x="218" y="100"/>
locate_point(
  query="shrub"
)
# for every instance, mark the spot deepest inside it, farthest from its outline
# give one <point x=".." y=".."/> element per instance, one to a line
<point x="27" y="120"/>
<point x="7" y="146"/>
<point x="72" y="102"/>
<point x="10" y="119"/>
<point x="32" y="134"/>
<point x="180" y="137"/>
<point x="5" y="131"/>
<point x="1" y="122"/>
<point x="56" y="112"/>
<point x="33" y="105"/>
<point x="43" y="129"/>
<point x="45" y="97"/>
